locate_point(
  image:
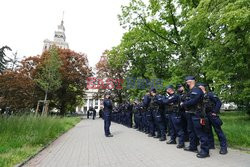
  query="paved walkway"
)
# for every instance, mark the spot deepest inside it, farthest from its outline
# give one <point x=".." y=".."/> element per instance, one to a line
<point x="86" y="146"/>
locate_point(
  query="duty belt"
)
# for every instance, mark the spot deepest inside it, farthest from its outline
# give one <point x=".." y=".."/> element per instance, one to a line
<point x="190" y="112"/>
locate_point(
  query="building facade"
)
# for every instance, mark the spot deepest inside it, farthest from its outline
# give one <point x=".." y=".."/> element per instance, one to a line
<point x="59" y="39"/>
<point x="90" y="101"/>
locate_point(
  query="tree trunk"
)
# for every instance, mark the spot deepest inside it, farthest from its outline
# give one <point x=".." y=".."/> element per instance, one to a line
<point x="44" y="102"/>
<point x="63" y="109"/>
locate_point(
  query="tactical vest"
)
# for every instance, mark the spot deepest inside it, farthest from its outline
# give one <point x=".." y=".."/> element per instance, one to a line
<point x="208" y="104"/>
<point x="153" y="105"/>
<point x="195" y="108"/>
<point x="172" y="107"/>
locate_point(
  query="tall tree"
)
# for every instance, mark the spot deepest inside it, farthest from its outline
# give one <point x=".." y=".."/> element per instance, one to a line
<point x="220" y="30"/>
<point x="75" y="70"/>
<point x="110" y="74"/>
<point x="48" y="76"/>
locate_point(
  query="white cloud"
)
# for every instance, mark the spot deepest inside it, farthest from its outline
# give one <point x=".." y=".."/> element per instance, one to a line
<point x="91" y="25"/>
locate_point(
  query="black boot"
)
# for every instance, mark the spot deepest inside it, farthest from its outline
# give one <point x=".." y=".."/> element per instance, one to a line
<point x="180" y="146"/>
<point x="202" y="155"/>
<point x="151" y="135"/>
<point x="171" y="142"/>
<point x="190" y="149"/>
<point x="109" y="135"/>
<point x="162" y="139"/>
<point x="223" y="151"/>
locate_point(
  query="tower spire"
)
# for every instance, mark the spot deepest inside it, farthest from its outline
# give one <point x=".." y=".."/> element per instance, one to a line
<point x="62" y="19"/>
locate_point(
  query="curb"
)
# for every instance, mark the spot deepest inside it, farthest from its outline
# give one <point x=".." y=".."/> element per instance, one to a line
<point x="44" y="147"/>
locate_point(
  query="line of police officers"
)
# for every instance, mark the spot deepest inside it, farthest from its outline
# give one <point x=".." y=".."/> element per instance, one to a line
<point x="189" y="116"/>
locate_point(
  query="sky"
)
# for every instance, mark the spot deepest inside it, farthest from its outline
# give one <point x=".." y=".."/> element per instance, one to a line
<point x="92" y="26"/>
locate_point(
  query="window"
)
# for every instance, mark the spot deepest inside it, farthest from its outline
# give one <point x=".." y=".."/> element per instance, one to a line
<point x="96" y="102"/>
<point x="90" y="102"/>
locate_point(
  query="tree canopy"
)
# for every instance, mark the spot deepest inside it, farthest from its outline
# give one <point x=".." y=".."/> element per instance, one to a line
<point x="60" y="72"/>
<point x="168" y="40"/>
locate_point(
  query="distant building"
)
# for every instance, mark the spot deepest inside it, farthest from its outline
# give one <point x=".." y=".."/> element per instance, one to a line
<point x="90" y="101"/>
<point x="59" y="39"/>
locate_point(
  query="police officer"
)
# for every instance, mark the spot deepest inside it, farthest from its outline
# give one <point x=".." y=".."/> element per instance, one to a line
<point x="212" y="106"/>
<point x="136" y="113"/>
<point x="144" y="112"/>
<point x="150" y="106"/>
<point x="129" y="115"/>
<point x="175" y="117"/>
<point x="107" y="103"/>
<point x="182" y="96"/>
<point x="166" y="115"/>
<point x="149" y="115"/>
<point x="158" y="115"/>
<point x="94" y="113"/>
<point x="193" y="106"/>
<point x="140" y="118"/>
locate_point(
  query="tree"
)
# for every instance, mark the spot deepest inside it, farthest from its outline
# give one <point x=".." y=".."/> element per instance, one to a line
<point x="48" y="76"/>
<point x="17" y="91"/>
<point x="111" y="71"/>
<point x="220" y="30"/>
<point x="13" y="62"/>
<point x="75" y="71"/>
<point x="174" y="38"/>
<point x="3" y="61"/>
<point x="19" y="88"/>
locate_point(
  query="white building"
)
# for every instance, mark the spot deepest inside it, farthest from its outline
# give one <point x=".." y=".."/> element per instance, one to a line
<point x="90" y="101"/>
<point x="59" y="39"/>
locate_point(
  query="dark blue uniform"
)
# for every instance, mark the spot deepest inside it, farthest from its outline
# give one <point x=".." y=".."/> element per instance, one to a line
<point x="149" y="114"/>
<point x="182" y="97"/>
<point x="175" y="119"/>
<point x="158" y="114"/>
<point x="166" y="116"/>
<point x="107" y="110"/>
<point x="194" y="106"/>
<point x="128" y="115"/>
<point x="212" y="106"/>
<point x="137" y="117"/>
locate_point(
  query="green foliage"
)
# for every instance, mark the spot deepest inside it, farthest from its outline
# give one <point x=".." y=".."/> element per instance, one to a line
<point x="205" y="38"/>
<point x="23" y="136"/>
<point x="49" y="77"/>
<point x="220" y="29"/>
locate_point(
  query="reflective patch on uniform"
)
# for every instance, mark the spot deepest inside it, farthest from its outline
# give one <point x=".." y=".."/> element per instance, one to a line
<point x="194" y="93"/>
<point x="171" y="97"/>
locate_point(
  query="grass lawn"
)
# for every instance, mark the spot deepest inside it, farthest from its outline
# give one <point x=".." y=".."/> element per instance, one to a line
<point x="236" y="126"/>
<point x="22" y="136"/>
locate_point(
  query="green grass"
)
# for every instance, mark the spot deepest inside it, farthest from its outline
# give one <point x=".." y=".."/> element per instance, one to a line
<point x="236" y="126"/>
<point x="23" y="136"/>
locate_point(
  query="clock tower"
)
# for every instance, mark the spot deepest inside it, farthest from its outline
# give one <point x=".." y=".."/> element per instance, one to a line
<point x="59" y="39"/>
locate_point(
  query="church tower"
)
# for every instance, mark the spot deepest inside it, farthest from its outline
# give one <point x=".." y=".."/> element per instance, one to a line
<point x="59" y="39"/>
